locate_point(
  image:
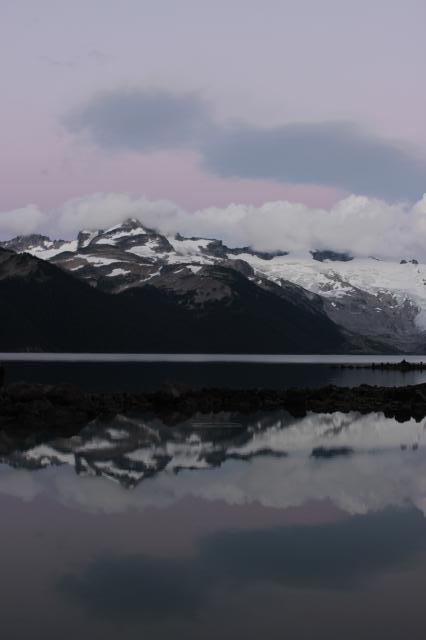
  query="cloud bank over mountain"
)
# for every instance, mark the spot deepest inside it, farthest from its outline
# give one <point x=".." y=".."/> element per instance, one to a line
<point x="22" y="221"/>
<point x="333" y="154"/>
<point x="356" y="224"/>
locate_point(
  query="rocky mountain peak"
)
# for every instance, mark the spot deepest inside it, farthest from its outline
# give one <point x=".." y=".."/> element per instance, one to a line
<point x="24" y="243"/>
<point x="333" y="256"/>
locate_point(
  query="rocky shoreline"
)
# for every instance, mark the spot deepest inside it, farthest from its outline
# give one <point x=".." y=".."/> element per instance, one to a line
<point x="64" y="409"/>
<point x="403" y="366"/>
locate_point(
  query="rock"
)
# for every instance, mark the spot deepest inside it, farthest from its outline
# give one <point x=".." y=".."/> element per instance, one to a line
<point x="403" y="365"/>
<point x="31" y="407"/>
<point x="330" y="452"/>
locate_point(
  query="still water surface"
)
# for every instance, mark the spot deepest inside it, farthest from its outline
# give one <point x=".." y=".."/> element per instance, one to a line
<point x="118" y="372"/>
<point x="224" y="525"/>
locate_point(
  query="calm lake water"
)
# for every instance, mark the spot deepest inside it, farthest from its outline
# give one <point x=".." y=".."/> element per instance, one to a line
<point x="118" y="372"/>
<point x="222" y="526"/>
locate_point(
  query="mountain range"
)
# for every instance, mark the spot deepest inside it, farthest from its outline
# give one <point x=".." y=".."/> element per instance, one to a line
<point x="131" y="288"/>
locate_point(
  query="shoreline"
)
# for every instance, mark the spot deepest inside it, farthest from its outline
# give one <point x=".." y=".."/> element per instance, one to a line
<point x="31" y="408"/>
<point x="403" y="366"/>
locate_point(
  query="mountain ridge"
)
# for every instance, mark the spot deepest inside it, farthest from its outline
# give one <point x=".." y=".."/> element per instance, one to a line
<point x="382" y="302"/>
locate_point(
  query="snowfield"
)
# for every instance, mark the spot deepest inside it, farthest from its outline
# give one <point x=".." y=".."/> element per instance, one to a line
<point x="333" y="279"/>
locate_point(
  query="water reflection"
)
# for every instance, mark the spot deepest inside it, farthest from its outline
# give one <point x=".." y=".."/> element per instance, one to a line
<point x="219" y="525"/>
<point x="272" y="458"/>
<point x="342" y="555"/>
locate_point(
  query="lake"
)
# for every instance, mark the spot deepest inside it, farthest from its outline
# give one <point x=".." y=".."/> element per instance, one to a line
<point x="145" y="372"/>
<point x="219" y="526"/>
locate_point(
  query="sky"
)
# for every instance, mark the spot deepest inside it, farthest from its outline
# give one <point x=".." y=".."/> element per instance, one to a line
<point x="204" y="105"/>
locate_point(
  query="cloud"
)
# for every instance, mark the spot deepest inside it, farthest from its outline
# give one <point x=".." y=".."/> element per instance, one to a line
<point x="101" y="210"/>
<point x="22" y="221"/>
<point x="359" y="225"/>
<point x="135" y="120"/>
<point x="333" y="154"/>
<point x="356" y="224"/>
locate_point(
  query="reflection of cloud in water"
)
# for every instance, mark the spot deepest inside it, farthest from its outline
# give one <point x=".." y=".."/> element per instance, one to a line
<point x="19" y="483"/>
<point x="357" y="484"/>
<point x="135" y="585"/>
<point x="340" y="555"/>
<point x="236" y="468"/>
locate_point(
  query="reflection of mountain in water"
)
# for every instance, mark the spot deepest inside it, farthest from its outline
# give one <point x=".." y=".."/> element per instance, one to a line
<point x="129" y="450"/>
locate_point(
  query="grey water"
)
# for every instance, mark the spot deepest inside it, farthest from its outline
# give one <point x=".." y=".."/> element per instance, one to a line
<point x="227" y="525"/>
<point x="147" y="372"/>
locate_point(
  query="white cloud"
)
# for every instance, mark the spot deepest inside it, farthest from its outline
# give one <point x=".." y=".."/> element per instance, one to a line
<point x="357" y="224"/>
<point x="22" y="221"/>
<point x="102" y="210"/>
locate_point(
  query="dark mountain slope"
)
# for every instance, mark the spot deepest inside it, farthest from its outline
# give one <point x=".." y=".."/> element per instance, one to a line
<point x="43" y="308"/>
